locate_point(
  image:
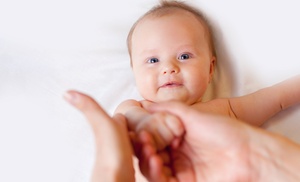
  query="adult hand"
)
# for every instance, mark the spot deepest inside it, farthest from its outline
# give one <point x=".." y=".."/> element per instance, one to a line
<point x="113" y="148"/>
<point x="216" y="148"/>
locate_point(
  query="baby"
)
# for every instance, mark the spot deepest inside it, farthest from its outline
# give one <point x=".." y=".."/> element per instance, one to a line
<point x="173" y="58"/>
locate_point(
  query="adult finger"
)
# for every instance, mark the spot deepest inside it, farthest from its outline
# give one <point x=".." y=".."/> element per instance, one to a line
<point x="123" y="133"/>
<point x="121" y="121"/>
<point x="112" y="141"/>
<point x="90" y="108"/>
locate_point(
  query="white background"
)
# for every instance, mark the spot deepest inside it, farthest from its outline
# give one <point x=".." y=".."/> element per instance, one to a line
<point x="50" y="46"/>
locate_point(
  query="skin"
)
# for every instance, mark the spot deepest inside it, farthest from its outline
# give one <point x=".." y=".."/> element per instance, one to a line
<point x="214" y="148"/>
<point x="113" y="148"/>
<point x="171" y="61"/>
<point x="217" y="148"/>
<point x="171" y="54"/>
<point x="175" y="61"/>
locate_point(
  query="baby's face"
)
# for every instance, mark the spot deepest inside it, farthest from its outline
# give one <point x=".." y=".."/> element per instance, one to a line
<point x="171" y="59"/>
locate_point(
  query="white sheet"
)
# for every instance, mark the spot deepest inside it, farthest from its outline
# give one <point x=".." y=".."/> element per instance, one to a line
<point x="48" y="47"/>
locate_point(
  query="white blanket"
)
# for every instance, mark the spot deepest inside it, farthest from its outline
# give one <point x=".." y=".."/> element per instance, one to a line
<point x="48" y="47"/>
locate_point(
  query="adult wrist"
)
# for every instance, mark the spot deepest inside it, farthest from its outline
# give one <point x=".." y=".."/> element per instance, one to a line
<point x="274" y="158"/>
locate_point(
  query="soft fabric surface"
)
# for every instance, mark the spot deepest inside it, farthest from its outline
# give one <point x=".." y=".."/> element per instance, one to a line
<point x="48" y="47"/>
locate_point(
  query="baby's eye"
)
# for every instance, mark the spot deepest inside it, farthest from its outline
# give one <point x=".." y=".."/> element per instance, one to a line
<point x="184" y="56"/>
<point x="153" y="60"/>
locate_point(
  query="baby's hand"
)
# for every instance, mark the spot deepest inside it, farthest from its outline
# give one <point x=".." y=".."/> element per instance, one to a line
<point x="166" y="129"/>
<point x="155" y="165"/>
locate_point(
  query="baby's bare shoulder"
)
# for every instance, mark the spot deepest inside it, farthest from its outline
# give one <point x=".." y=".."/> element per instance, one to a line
<point x="215" y="106"/>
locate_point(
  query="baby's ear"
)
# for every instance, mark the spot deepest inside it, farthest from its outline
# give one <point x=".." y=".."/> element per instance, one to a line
<point x="213" y="61"/>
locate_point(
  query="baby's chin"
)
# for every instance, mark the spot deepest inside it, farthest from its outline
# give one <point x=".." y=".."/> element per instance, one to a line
<point x="187" y="101"/>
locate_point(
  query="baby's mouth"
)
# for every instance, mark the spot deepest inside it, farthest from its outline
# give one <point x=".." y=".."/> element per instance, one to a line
<point x="171" y="85"/>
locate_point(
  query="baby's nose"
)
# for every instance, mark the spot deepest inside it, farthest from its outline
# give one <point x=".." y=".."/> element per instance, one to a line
<point x="170" y="69"/>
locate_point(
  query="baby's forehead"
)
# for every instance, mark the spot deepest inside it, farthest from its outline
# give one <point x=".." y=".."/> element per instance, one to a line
<point x="158" y="14"/>
<point x="173" y="11"/>
<point x="177" y="13"/>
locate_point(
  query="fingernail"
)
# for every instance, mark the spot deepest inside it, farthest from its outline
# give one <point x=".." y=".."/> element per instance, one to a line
<point x="70" y="97"/>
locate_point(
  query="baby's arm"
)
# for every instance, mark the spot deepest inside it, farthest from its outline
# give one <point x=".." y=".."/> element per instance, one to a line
<point x="164" y="127"/>
<point x="133" y="111"/>
<point x="259" y="106"/>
